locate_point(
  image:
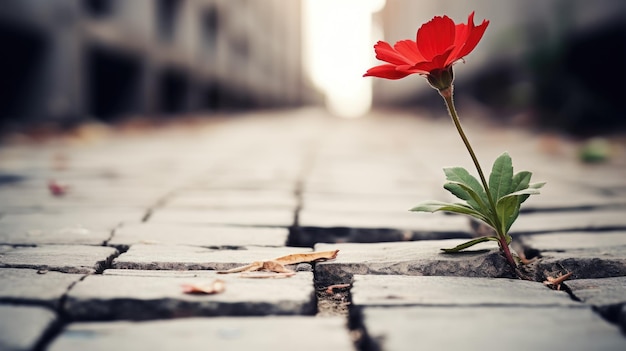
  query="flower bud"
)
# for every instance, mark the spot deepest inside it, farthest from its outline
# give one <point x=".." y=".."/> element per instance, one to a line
<point x="441" y="79"/>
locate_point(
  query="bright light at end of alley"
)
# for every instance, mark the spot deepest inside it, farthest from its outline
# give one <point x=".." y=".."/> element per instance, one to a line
<point x="338" y="50"/>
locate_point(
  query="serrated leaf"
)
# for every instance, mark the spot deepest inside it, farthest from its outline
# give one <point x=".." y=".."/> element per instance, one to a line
<point x="435" y="206"/>
<point x="470" y="243"/>
<point x="501" y="176"/>
<point x="462" y="176"/>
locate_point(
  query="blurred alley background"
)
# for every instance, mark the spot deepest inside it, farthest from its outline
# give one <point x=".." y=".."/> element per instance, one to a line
<point x="555" y="64"/>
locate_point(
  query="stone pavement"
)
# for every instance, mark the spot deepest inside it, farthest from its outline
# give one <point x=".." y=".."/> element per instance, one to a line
<point x="145" y="212"/>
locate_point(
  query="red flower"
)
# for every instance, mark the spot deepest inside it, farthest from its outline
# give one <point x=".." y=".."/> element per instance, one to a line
<point x="439" y="43"/>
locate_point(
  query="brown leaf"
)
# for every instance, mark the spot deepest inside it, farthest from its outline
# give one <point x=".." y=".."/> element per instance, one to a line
<point x="307" y="257"/>
<point x="215" y="287"/>
<point x="278" y="265"/>
<point x="555" y="283"/>
<point x="254" y="266"/>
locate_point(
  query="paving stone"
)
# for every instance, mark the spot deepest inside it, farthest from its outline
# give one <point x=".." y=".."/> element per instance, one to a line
<point x="401" y="290"/>
<point x="78" y="227"/>
<point x="62" y="258"/>
<point x="409" y="258"/>
<point x="195" y="235"/>
<point x="167" y="257"/>
<point x="584" y="264"/>
<point x="242" y="217"/>
<point x="421" y="222"/>
<point x="485" y="328"/>
<point x="568" y="196"/>
<point x="82" y="193"/>
<point x="359" y="203"/>
<point x="138" y="296"/>
<point x="541" y="222"/>
<point x="28" y="286"/>
<point x="21" y="327"/>
<point x="309" y="236"/>
<point x="233" y="199"/>
<point x="599" y="292"/>
<point x="286" y="333"/>
<point x="607" y="296"/>
<point x="575" y="241"/>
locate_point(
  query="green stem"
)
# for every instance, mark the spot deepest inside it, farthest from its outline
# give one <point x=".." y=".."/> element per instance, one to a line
<point x="447" y="96"/>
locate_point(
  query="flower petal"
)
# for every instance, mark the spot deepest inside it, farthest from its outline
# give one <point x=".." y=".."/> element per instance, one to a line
<point x="435" y="37"/>
<point x="385" y="52"/>
<point x="408" y="49"/>
<point x="437" y="63"/>
<point x="474" y="36"/>
<point x="386" y="71"/>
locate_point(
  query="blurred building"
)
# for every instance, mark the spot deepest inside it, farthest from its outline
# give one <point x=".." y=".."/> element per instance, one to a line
<point x="564" y="60"/>
<point x="65" y="60"/>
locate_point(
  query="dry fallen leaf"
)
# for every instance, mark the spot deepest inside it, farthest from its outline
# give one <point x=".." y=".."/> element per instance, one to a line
<point x="278" y="265"/>
<point x="215" y="287"/>
<point x="307" y="257"/>
<point x="555" y="283"/>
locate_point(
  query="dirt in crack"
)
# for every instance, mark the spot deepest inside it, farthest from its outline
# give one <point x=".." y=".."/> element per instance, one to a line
<point x="333" y="300"/>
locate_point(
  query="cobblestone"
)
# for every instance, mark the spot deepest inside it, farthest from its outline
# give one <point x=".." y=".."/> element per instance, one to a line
<point x="137" y="295"/>
<point x="101" y="267"/>
<point x="61" y="258"/>
<point x="195" y="334"/>
<point x="22" y="327"/>
<point x="29" y="286"/>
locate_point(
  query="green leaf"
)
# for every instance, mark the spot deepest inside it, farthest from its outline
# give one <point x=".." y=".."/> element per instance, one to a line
<point x="521" y="180"/>
<point x="470" y="243"/>
<point x="537" y="185"/>
<point x="468" y="194"/>
<point x="462" y="176"/>
<point x="507" y="209"/>
<point x="435" y="206"/>
<point x="501" y="176"/>
<point x="527" y="191"/>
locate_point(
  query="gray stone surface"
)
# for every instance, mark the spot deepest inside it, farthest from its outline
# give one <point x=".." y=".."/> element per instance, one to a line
<point x="179" y="257"/>
<point x="409" y="258"/>
<point x="28" y="286"/>
<point x="571" y="196"/>
<point x="137" y="296"/>
<point x="21" y="327"/>
<point x="487" y="328"/>
<point x="356" y="203"/>
<point x="541" y="222"/>
<point x="400" y="290"/>
<point x="286" y="333"/>
<point x="244" y="217"/>
<point x="232" y="199"/>
<point x="354" y="181"/>
<point x="403" y="219"/>
<point x="607" y="296"/>
<point x="613" y="240"/>
<point x="599" y="292"/>
<point x="197" y="235"/>
<point x="71" y="227"/>
<point x="62" y="258"/>
<point x="583" y="264"/>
